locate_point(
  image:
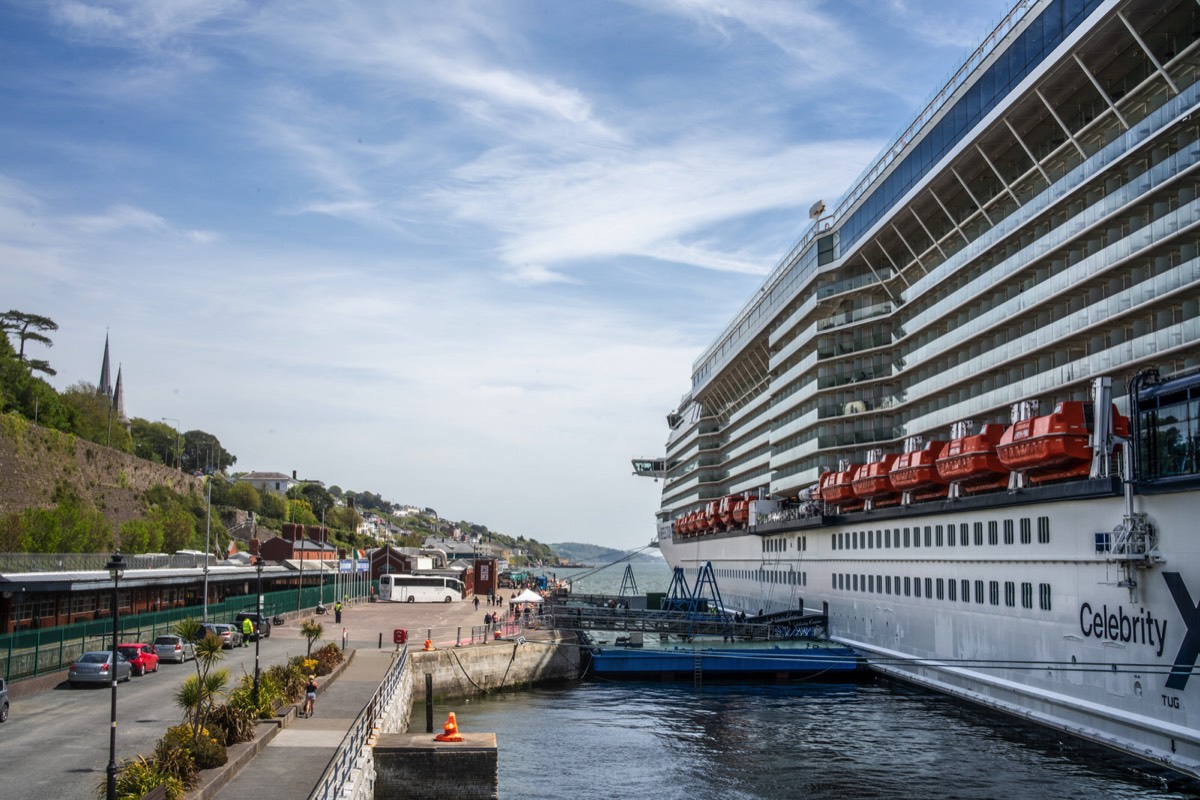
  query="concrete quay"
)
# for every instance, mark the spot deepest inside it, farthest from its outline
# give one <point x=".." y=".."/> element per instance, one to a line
<point x="290" y="758"/>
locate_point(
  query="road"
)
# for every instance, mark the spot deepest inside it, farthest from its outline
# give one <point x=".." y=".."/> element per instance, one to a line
<point x="55" y="743"/>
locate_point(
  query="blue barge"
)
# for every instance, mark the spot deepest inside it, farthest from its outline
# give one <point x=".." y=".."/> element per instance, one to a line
<point x="718" y="661"/>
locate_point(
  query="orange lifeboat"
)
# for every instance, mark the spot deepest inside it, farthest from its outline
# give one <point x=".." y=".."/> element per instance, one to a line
<point x="971" y="461"/>
<point x="872" y="481"/>
<point x="839" y="491"/>
<point x="740" y="511"/>
<point x="725" y="512"/>
<point x="916" y="472"/>
<point x="1055" y="446"/>
<point x="710" y="521"/>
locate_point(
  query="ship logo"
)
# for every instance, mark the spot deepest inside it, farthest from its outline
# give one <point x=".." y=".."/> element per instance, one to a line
<point x="1185" y="660"/>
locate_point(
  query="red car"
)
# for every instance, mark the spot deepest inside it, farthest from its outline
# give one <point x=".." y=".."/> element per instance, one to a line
<point x="141" y="657"/>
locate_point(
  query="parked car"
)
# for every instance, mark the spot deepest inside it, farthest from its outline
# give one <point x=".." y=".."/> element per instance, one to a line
<point x="232" y="636"/>
<point x="262" y="625"/>
<point x="96" y="667"/>
<point x="3" y="700"/>
<point x="170" y="647"/>
<point x="141" y="657"/>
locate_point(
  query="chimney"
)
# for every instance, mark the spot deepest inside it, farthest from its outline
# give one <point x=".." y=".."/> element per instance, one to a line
<point x="294" y="475"/>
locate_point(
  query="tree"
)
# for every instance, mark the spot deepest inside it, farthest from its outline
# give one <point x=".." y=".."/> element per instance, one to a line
<point x="92" y="417"/>
<point x="29" y="327"/>
<point x="318" y="498"/>
<point x="202" y="452"/>
<point x="244" y="496"/>
<point x="196" y="695"/>
<point x="311" y="630"/>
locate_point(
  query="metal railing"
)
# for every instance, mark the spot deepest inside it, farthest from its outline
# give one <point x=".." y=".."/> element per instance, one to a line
<point x="348" y="758"/>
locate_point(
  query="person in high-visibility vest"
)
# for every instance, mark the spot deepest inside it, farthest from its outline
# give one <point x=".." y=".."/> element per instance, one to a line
<point x="247" y="631"/>
<point x="337" y="611"/>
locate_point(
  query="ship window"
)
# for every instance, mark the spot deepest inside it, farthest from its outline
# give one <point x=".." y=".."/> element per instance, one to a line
<point x="907" y="586"/>
<point x="1044" y="596"/>
<point x="916" y="537"/>
<point x="804" y="543"/>
<point x="906" y="537"/>
<point x="1026" y="531"/>
<point x="941" y="589"/>
<point x="878" y="539"/>
<point x="1043" y="530"/>
<point x="1008" y="531"/>
<point x="929" y="587"/>
<point x="963" y="534"/>
<point x="804" y="579"/>
<point x="928" y="536"/>
<point x="1026" y="595"/>
<point x="993" y="532"/>
<point x="916" y="587"/>
<point x="888" y="585"/>
<point x="994" y="592"/>
<point x="855" y="579"/>
<point x="1010" y="594"/>
<point x="979" y="592"/>
<point x="939" y="533"/>
<point x="966" y="590"/>
<point x="887" y="537"/>
<point x="978" y="534"/>
<point x="952" y="590"/>
<point x="868" y="541"/>
<point x="871" y="583"/>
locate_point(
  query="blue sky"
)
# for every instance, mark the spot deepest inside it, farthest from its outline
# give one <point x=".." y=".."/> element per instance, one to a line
<point x="460" y="254"/>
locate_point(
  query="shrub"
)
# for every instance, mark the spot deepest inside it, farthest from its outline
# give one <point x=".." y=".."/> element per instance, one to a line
<point x="205" y="750"/>
<point x="176" y="762"/>
<point x="138" y="776"/>
<point x="290" y="680"/>
<point x="237" y="724"/>
<point x="328" y="657"/>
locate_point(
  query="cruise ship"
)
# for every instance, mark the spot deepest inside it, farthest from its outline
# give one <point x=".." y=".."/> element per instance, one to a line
<point x="961" y="417"/>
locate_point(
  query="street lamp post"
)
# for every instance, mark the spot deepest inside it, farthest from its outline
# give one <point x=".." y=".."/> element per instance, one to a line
<point x="207" y="546"/>
<point x="258" y="566"/>
<point x="116" y="568"/>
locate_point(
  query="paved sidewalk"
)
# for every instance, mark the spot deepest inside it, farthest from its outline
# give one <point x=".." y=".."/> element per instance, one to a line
<point x="292" y="763"/>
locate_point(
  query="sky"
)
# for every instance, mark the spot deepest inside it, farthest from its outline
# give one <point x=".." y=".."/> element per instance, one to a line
<point x="459" y="254"/>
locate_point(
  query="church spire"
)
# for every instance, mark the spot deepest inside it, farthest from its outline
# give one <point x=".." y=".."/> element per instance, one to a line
<point x="119" y="400"/>
<point x="104" y="387"/>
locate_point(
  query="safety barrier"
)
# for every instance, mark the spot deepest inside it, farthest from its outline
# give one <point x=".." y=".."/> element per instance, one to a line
<point x="27" y="654"/>
<point x="347" y="764"/>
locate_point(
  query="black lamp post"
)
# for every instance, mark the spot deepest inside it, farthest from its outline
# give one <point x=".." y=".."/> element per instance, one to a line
<point x="258" y="566"/>
<point x="116" y="568"/>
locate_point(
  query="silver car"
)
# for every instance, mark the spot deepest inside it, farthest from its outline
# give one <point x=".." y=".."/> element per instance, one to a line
<point x="230" y="636"/>
<point x="94" y="667"/>
<point x="3" y="701"/>
<point x="174" y="648"/>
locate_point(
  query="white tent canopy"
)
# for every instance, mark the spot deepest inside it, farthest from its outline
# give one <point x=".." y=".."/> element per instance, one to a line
<point x="527" y="596"/>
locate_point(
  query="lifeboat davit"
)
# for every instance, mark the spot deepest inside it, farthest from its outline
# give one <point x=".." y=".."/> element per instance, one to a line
<point x="839" y="491"/>
<point x="971" y="461"/>
<point x="1056" y="446"/>
<point x="917" y="472"/>
<point x="872" y="481"/>
<point x="710" y="523"/>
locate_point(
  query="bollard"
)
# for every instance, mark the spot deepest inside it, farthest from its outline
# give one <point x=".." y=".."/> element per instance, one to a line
<point x="429" y="702"/>
<point x="381" y="640"/>
<point x="458" y="638"/>
<point x="343" y="639"/>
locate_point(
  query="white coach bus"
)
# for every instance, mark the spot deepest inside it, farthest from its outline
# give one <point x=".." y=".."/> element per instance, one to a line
<point x="419" y="589"/>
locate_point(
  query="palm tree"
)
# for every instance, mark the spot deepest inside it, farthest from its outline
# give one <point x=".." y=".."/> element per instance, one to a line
<point x="312" y="630"/>
<point x="197" y="695"/>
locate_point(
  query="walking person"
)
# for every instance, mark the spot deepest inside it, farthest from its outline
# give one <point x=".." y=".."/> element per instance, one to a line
<point x="476" y="602"/>
<point x="310" y="696"/>
<point x="247" y="631"/>
<point x="337" y="612"/>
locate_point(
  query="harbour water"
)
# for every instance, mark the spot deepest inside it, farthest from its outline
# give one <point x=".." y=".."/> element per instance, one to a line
<point x="737" y="742"/>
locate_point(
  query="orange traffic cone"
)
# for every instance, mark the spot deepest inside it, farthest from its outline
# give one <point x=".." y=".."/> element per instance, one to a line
<point x="450" y="731"/>
<point x="429" y="644"/>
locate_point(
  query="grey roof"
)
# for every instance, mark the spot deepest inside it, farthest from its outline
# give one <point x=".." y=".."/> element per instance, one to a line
<point x="100" y="579"/>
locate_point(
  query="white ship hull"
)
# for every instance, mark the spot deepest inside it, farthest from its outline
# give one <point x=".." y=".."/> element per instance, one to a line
<point x="1095" y="664"/>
